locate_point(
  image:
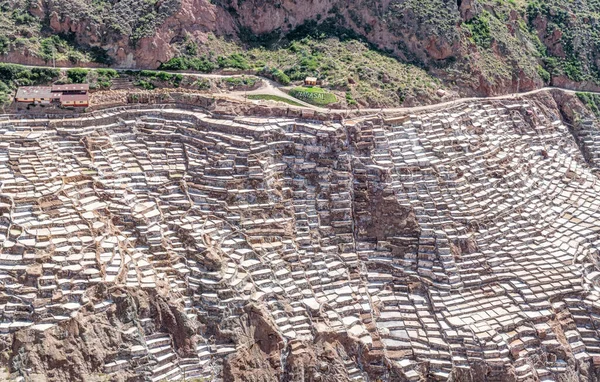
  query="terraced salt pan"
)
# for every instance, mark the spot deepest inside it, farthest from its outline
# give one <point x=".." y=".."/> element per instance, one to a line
<point x="507" y="213"/>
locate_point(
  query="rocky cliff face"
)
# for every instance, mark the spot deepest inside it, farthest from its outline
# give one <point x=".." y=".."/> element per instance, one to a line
<point x="89" y="341"/>
<point x="135" y="36"/>
<point x="402" y="27"/>
<point x="397" y="26"/>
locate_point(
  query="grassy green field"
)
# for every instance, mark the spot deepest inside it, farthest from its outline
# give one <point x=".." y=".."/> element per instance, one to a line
<point x="314" y="96"/>
<point x="269" y="97"/>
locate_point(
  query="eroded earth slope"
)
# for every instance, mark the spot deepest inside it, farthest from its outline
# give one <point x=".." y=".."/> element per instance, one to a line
<point x="154" y="243"/>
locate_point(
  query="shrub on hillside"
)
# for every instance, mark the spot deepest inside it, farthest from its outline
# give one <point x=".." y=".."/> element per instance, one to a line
<point x="480" y="30"/>
<point x="234" y="61"/>
<point x="591" y="101"/>
<point x="77" y="75"/>
<point x="185" y="63"/>
<point x="107" y="73"/>
<point x="544" y="75"/>
<point x="19" y="75"/>
<point x="281" y="77"/>
<point x="276" y="74"/>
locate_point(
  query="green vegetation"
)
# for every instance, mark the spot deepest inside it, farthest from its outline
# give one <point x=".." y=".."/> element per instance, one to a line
<point x="102" y="78"/>
<point x="205" y="64"/>
<point x="241" y="81"/>
<point x="18" y="75"/>
<point x="12" y="76"/>
<point x="591" y="101"/>
<point x="576" y="54"/>
<point x="276" y="74"/>
<point x="269" y="97"/>
<point x="148" y="79"/>
<point x="480" y="30"/>
<point x="21" y="30"/>
<point x="350" y="101"/>
<point x="201" y="64"/>
<point x="544" y="75"/>
<point x="314" y="96"/>
<point x="190" y="47"/>
<point x="346" y="65"/>
<point x="233" y="61"/>
<point x="173" y="79"/>
<point x="107" y="73"/>
<point x="77" y="75"/>
<point x="145" y="84"/>
<point x="202" y="84"/>
<point x="280" y="77"/>
<point x="5" y="94"/>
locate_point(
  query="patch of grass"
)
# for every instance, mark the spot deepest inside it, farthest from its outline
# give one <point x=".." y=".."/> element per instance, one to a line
<point x="4" y="44"/>
<point x="102" y="78"/>
<point x="107" y="73"/>
<point x="315" y="96"/>
<point x="269" y="97"/>
<point x="5" y="94"/>
<point x="206" y="64"/>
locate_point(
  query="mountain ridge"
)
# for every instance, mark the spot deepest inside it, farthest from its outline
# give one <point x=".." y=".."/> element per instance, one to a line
<point x="478" y="47"/>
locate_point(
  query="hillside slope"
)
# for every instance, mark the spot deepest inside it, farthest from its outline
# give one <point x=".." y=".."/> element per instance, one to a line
<point x="477" y="46"/>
